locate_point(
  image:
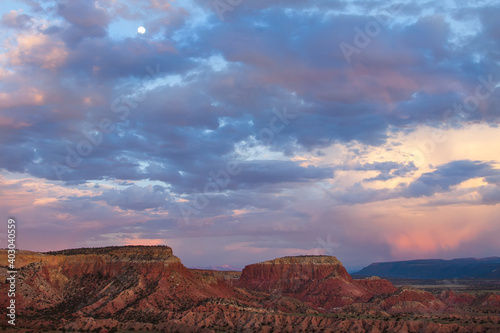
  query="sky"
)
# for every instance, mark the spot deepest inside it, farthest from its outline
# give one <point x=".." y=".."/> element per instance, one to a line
<point x="241" y="131"/>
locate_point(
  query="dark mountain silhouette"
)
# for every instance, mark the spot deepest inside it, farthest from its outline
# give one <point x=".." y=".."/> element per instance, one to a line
<point x="463" y="268"/>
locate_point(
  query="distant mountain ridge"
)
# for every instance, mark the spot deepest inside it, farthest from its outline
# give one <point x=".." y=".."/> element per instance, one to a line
<point x="461" y="268"/>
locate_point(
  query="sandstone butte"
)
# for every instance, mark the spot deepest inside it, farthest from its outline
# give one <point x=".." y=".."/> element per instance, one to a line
<point x="147" y="288"/>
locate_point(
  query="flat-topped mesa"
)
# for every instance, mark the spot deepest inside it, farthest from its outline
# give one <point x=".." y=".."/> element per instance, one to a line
<point x="303" y="268"/>
<point x="140" y="253"/>
<point x="320" y="281"/>
<point x="105" y="260"/>
<point x="304" y="260"/>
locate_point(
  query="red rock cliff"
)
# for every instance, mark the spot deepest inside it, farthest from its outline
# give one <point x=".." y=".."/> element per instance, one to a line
<point x="321" y="281"/>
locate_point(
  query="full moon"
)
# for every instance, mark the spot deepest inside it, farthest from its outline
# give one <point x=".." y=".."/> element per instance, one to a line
<point x="141" y="30"/>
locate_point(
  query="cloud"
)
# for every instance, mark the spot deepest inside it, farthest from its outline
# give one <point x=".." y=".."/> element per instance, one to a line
<point x="210" y="111"/>
<point x="442" y="180"/>
<point x="196" y="93"/>
<point x="85" y="20"/>
<point x="448" y="175"/>
<point x="358" y="194"/>
<point x="274" y="172"/>
<point x="389" y="170"/>
<point x="37" y="50"/>
<point x="16" y="20"/>
<point x="136" y="198"/>
<point x="490" y="195"/>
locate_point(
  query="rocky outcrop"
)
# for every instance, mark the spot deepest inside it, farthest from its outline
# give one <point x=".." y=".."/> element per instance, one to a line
<point x="452" y="298"/>
<point x="376" y="286"/>
<point x="263" y="275"/>
<point x="218" y="320"/>
<point x="321" y="281"/>
<point x="411" y="300"/>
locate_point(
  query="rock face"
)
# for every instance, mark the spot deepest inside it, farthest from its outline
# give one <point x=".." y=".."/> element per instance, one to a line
<point x="148" y="288"/>
<point x="294" y="269"/>
<point x="321" y="281"/>
<point x="411" y="300"/>
<point x="376" y="285"/>
<point x="126" y="283"/>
